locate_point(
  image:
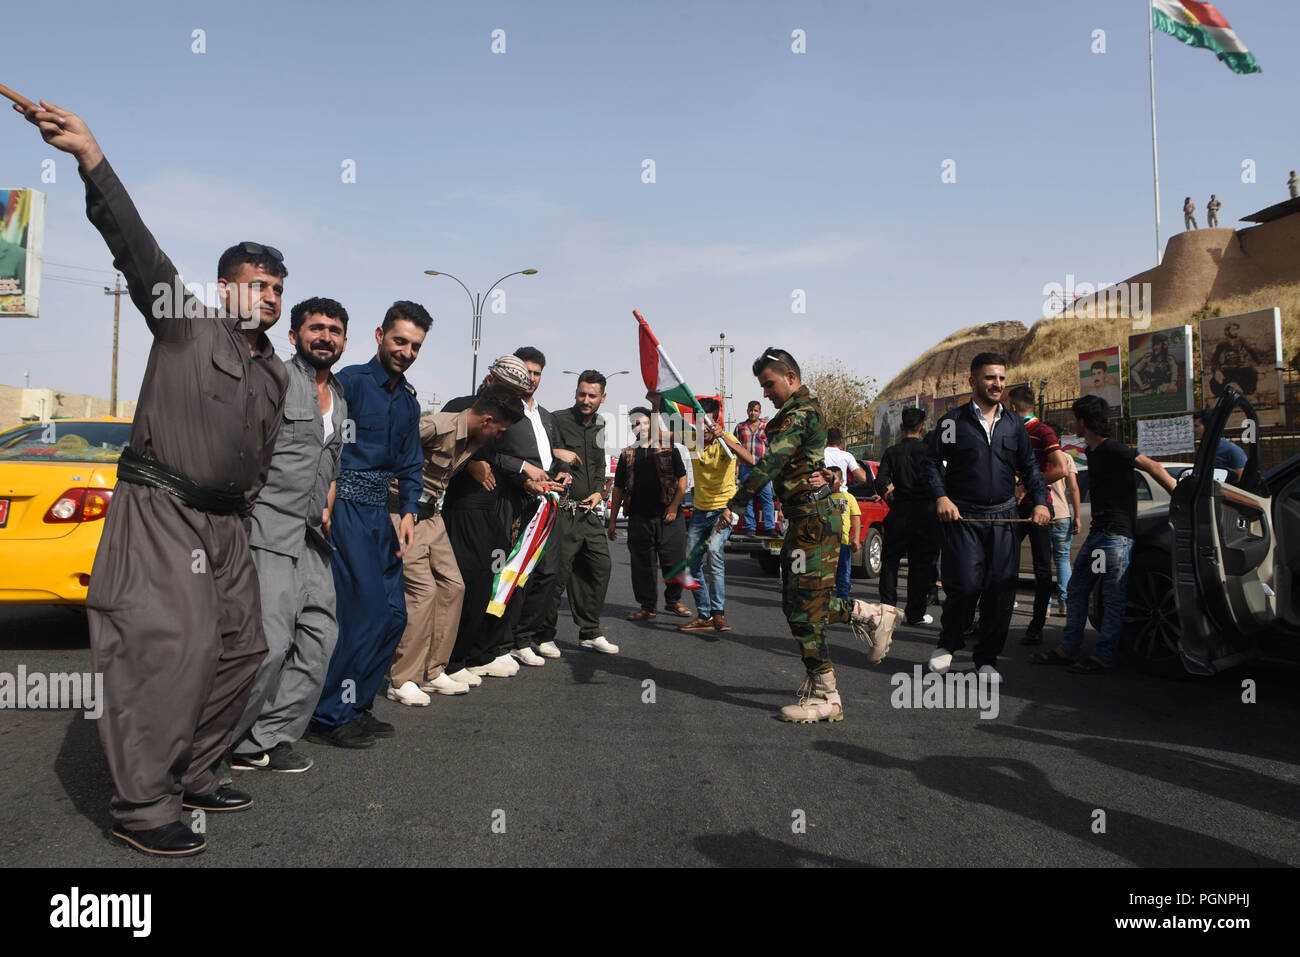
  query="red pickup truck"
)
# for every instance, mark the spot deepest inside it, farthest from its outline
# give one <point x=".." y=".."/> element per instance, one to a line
<point x="867" y="561"/>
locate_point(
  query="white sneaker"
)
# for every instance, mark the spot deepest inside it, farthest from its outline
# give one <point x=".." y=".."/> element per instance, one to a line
<point x="529" y="657"/>
<point x="445" y="685"/>
<point x="940" y="660"/>
<point x="495" y="668"/>
<point x="508" y="661"/>
<point x="989" y="673"/>
<point x="599" y="644"/>
<point x="466" y="677"/>
<point x="548" y="649"/>
<point x="409" y="694"/>
<point x="923" y="620"/>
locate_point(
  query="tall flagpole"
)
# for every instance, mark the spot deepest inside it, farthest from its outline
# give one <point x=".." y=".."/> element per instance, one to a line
<point x="1155" y="162"/>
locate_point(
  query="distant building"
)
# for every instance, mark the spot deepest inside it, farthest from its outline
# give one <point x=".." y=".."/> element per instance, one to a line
<point x="19" y="405"/>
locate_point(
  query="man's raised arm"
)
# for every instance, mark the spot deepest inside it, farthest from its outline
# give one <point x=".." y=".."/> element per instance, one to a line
<point x="150" y="276"/>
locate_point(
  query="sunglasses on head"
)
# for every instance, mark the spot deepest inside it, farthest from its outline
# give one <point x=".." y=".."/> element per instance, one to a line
<point x="257" y="249"/>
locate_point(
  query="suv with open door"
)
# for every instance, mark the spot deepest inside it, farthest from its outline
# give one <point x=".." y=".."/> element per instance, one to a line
<point x="1236" y="553"/>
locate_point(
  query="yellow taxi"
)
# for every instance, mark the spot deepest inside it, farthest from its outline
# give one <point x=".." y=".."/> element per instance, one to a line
<point x="56" y="486"/>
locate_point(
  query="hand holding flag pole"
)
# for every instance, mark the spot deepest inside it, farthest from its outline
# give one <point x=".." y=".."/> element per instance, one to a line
<point x="661" y="377"/>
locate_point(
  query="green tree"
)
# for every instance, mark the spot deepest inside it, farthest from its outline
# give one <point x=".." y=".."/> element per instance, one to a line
<point x="844" y="396"/>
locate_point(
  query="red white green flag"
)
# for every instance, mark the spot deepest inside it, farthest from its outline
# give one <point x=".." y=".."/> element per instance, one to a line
<point x="661" y="375"/>
<point x="1200" y="25"/>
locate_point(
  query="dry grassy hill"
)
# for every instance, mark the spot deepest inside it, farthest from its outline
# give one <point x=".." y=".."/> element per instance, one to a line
<point x="1236" y="271"/>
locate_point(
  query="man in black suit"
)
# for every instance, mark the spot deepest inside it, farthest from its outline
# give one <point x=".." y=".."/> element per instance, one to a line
<point x="531" y="443"/>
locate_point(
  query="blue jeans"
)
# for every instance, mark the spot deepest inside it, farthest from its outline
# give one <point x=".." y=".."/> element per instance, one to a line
<point x="1112" y="552"/>
<point x="1061" y="556"/>
<point x="764" y="498"/>
<point x="843" y="571"/>
<point x="709" y="567"/>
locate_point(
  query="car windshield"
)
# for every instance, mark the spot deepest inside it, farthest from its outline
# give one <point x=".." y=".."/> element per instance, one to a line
<point x="66" y="442"/>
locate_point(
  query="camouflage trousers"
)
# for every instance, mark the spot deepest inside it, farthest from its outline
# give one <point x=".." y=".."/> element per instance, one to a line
<point x="809" y="558"/>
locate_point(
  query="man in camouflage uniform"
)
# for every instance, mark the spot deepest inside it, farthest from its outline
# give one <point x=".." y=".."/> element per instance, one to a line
<point x="1189" y="214"/>
<point x="794" y="464"/>
<point x="1212" y="211"/>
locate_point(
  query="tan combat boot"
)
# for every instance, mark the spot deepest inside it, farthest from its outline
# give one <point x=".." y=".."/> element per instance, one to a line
<point x="818" y="701"/>
<point x="874" y="624"/>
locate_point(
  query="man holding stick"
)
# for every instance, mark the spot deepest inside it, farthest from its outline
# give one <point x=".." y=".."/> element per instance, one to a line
<point x="173" y="607"/>
<point x="793" y="463"/>
<point x="984" y="447"/>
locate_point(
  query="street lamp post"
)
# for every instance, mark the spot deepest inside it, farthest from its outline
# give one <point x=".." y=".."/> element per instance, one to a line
<point x="476" y="302"/>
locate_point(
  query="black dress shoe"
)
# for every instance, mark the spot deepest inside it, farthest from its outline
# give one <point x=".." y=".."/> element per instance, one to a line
<point x="372" y="725"/>
<point x="170" y="840"/>
<point x="222" y="799"/>
<point x="347" y="735"/>
<point x="1032" y="638"/>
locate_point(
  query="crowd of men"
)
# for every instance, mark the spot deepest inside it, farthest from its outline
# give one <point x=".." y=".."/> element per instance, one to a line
<point x="286" y="542"/>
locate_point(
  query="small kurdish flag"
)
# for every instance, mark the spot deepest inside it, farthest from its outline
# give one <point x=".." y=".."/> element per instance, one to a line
<point x="661" y="375"/>
<point x="1200" y="25"/>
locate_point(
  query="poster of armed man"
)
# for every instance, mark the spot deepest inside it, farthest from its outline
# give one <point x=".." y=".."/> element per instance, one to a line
<point x="20" y="251"/>
<point x="1158" y="380"/>
<point x="1246" y="351"/>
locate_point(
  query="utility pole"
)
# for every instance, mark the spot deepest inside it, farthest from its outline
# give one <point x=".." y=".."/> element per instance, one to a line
<point x="723" y="350"/>
<point x="117" y="292"/>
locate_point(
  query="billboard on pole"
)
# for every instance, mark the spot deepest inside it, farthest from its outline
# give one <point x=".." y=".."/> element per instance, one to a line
<point x="22" y="236"/>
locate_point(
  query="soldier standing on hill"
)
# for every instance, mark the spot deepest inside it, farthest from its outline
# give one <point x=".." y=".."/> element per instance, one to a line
<point x="793" y="463"/>
<point x="1189" y="214"/>
<point x="1293" y="185"/>
<point x="1212" y="212"/>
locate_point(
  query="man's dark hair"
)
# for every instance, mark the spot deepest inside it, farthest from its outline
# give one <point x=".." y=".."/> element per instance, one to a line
<point x="640" y="410"/>
<point x="1100" y="364"/>
<point x="587" y="375"/>
<point x="837" y="470"/>
<point x="913" y="419"/>
<point x="237" y="255"/>
<point x="1095" y="413"/>
<point x="1201" y="415"/>
<point x="834" y="436"/>
<point x="710" y="406"/>
<point x="1022" y="397"/>
<point x="986" y="359"/>
<point x="317" y="306"/>
<point x="531" y="354"/>
<point x="500" y="403"/>
<point x="755" y="404"/>
<point x="410" y="311"/>
<point x="778" y="359"/>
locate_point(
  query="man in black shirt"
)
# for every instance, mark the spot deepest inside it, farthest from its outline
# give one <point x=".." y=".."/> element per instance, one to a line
<point x="912" y="526"/>
<point x="650" y="481"/>
<point x="1105" y="552"/>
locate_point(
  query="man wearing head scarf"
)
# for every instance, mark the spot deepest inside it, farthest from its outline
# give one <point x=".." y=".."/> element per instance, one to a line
<point x="481" y="541"/>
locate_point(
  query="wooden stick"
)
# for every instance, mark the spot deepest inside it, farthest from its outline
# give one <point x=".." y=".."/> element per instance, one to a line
<point x="18" y="98"/>
<point x="995" y="519"/>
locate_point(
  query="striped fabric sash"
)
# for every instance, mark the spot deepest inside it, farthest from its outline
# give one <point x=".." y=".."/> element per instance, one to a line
<point x="524" y="556"/>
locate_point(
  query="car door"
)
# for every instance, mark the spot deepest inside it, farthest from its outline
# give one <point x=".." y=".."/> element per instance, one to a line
<point x="1223" y="553"/>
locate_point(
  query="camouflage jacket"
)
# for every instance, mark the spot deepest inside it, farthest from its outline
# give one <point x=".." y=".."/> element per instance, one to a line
<point x="796" y="441"/>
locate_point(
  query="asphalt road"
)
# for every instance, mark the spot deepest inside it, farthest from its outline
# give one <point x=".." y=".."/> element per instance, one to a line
<point x="574" y="766"/>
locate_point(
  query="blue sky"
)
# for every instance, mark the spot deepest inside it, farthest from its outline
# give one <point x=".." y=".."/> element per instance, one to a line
<point x="774" y="171"/>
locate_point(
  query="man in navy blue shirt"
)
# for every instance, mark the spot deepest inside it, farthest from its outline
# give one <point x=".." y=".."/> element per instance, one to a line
<point x="974" y="454"/>
<point x="368" y="553"/>
<point x="1228" y="455"/>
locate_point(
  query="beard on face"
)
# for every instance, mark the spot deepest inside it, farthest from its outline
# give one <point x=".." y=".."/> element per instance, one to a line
<point x="315" y="359"/>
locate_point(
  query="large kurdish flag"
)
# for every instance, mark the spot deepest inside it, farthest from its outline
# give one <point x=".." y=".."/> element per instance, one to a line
<point x="1200" y="25"/>
<point x="661" y="375"/>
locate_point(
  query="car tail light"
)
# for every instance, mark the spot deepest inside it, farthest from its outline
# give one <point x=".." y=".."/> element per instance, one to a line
<point x="79" y="505"/>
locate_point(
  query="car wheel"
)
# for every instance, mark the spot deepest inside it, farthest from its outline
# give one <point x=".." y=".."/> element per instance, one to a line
<point x="1151" y="624"/>
<point x="768" y="562"/>
<point x="867" y="562"/>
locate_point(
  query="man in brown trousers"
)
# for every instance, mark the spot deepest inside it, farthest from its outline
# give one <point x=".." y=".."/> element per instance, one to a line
<point x="173" y="607"/>
<point x="432" y="582"/>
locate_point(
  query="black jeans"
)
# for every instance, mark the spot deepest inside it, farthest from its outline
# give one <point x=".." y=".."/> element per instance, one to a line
<point x="912" y="530"/>
<point x="979" y="567"/>
<point x="648" y="539"/>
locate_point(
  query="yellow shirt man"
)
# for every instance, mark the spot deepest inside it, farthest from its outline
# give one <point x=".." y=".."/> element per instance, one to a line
<point x="715" y="477"/>
<point x="848" y="507"/>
